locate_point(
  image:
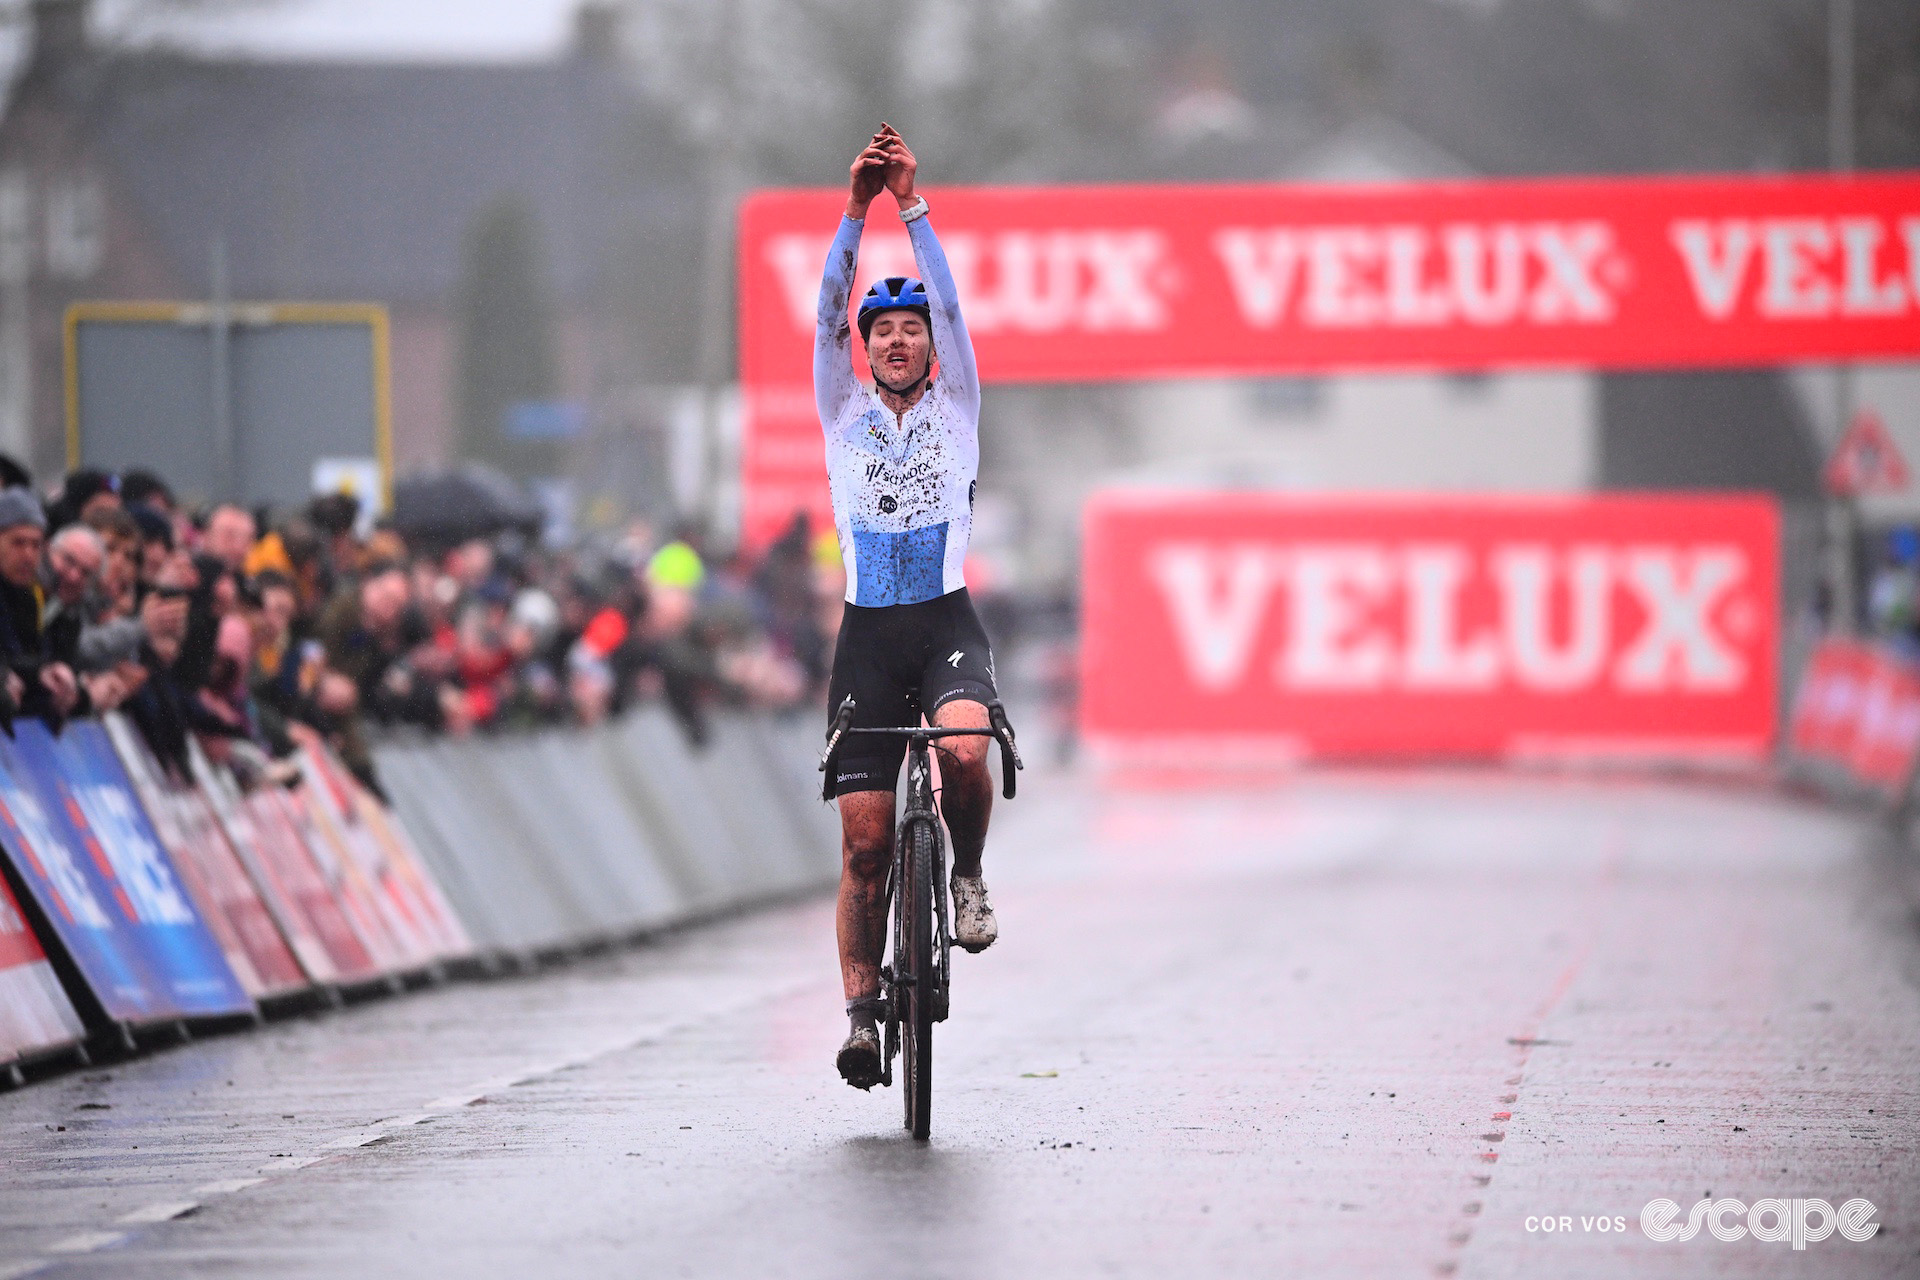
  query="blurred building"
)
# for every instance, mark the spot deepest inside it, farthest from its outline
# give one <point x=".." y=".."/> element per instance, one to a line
<point x="128" y="174"/>
<point x="1392" y="91"/>
<point x="120" y="172"/>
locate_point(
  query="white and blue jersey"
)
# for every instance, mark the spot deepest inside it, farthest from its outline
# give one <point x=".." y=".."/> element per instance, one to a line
<point x="902" y="488"/>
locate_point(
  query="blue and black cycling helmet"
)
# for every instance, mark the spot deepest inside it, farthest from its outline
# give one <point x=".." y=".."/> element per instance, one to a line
<point x="895" y="293"/>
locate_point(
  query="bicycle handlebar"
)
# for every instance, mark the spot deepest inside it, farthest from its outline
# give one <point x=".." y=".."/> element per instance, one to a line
<point x="999" y="729"/>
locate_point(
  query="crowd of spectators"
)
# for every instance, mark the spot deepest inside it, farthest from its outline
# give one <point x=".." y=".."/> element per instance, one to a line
<point x="248" y="630"/>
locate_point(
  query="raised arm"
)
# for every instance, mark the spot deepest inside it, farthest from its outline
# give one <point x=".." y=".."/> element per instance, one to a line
<point x="951" y="344"/>
<point x="833" y="379"/>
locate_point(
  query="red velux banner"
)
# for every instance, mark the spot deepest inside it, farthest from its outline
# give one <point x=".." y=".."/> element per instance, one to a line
<point x="1470" y="626"/>
<point x="1106" y="283"/>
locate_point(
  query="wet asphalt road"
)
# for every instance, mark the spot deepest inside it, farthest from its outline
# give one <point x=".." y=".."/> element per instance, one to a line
<point x="1352" y="1026"/>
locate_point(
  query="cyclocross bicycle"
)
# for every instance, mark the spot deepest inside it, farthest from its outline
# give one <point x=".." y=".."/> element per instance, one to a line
<point x="913" y="989"/>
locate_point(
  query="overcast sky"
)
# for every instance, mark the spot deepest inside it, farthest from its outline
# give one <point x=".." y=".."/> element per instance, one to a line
<point x="454" y="29"/>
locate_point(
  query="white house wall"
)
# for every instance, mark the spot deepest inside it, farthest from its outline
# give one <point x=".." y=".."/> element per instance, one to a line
<point x="1530" y="433"/>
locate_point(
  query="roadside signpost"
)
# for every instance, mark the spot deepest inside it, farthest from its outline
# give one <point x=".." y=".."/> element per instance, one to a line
<point x="233" y="402"/>
<point x="1866" y="460"/>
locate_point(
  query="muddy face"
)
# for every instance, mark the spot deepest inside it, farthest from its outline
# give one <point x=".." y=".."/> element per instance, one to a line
<point x="899" y="350"/>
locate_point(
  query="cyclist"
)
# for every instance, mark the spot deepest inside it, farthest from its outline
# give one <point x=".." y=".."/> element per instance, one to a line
<point x="901" y="460"/>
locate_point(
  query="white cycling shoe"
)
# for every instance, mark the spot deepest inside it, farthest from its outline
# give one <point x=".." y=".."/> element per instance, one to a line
<point x="974" y="927"/>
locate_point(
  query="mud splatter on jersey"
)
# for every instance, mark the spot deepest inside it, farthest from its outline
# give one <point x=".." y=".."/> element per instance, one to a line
<point x="902" y="490"/>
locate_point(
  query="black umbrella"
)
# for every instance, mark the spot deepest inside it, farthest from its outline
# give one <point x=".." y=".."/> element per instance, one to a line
<point x="468" y="501"/>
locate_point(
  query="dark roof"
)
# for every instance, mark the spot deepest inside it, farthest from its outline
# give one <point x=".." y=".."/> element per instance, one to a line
<point x="361" y="180"/>
<point x="1721" y="429"/>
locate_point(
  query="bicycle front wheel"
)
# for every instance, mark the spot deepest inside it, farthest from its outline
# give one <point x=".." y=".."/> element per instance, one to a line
<point x="916" y="1022"/>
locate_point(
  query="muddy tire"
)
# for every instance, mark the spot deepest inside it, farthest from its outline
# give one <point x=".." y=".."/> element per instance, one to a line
<point x="917" y="1013"/>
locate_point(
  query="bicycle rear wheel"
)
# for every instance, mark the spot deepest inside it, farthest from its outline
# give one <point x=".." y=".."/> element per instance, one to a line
<point x="916" y="1021"/>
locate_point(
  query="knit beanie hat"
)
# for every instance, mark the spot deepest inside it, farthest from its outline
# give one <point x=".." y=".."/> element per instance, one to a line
<point x="18" y="507"/>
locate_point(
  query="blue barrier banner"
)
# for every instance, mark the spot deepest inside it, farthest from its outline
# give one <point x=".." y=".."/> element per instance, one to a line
<point x="212" y="870"/>
<point x="88" y="914"/>
<point x="92" y="785"/>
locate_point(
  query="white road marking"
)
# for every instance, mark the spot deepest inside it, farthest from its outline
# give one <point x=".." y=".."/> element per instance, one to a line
<point x="453" y="1102"/>
<point x="87" y="1242"/>
<point x="227" y="1187"/>
<point x="540" y="1073"/>
<point x="166" y="1211"/>
<point x="352" y="1140"/>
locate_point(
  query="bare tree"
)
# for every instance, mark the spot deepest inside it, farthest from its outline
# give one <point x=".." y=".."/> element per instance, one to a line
<point x="146" y="24"/>
<point x="989" y="88"/>
<point x="136" y="21"/>
<point x="1790" y="82"/>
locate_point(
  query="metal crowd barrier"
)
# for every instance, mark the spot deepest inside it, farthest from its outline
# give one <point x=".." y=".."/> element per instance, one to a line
<point x="575" y="838"/>
<point x="137" y="904"/>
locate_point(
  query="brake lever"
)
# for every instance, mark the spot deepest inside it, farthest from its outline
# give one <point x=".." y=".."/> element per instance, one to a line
<point x="1010" y="762"/>
<point x="841" y="721"/>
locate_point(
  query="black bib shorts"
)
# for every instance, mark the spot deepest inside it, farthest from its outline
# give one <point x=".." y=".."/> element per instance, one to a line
<point x="901" y="662"/>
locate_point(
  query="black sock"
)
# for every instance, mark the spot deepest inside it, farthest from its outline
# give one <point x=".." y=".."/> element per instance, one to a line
<point x="864" y="1012"/>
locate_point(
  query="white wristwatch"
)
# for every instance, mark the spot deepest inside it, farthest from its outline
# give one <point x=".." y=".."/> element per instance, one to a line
<point x="919" y="210"/>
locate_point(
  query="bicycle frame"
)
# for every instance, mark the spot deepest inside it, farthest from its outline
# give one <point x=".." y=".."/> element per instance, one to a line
<point x="921" y="813"/>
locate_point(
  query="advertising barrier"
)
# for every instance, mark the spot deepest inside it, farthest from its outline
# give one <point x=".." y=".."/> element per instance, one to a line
<point x="211" y="870"/>
<point x="78" y="910"/>
<point x="79" y="771"/>
<point x="314" y="925"/>
<point x="1102" y="284"/>
<point x="1858" y="708"/>
<point x="339" y="907"/>
<point x="215" y="806"/>
<point x="35" y="1014"/>
<point x="373" y="919"/>
<point x="105" y="889"/>
<point x="388" y="856"/>
<point x="1239" y="625"/>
